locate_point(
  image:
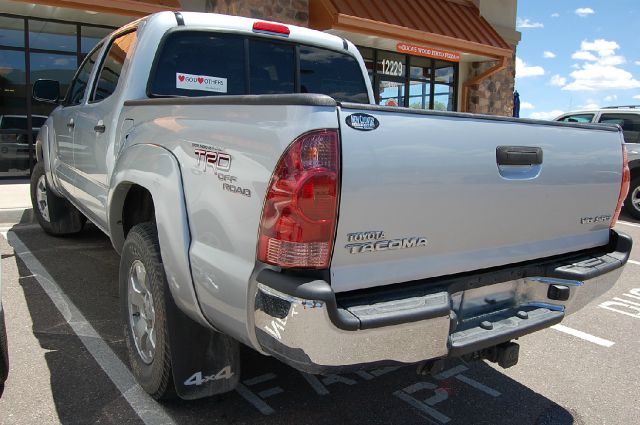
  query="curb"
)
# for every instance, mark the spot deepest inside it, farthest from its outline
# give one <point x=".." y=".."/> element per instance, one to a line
<point x="9" y="216"/>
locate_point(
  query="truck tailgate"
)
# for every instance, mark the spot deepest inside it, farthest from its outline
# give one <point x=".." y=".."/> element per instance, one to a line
<point x="423" y="194"/>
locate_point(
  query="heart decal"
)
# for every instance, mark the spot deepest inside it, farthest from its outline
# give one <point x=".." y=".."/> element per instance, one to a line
<point x="181" y="77"/>
<point x="200" y="80"/>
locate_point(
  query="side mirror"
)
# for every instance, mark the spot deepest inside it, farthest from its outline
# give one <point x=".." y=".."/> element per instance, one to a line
<point x="46" y="91"/>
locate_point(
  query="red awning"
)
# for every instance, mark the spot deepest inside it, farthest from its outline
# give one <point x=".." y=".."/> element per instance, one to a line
<point x="453" y="24"/>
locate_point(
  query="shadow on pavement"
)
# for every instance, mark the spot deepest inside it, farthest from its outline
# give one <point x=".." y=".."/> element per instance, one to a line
<point x="85" y="267"/>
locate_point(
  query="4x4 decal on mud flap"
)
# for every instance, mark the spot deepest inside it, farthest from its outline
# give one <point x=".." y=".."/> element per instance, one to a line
<point x="199" y="378"/>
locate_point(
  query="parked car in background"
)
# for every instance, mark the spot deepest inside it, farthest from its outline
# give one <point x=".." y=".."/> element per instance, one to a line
<point x="14" y="140"/>
<point x="627" y="117"/>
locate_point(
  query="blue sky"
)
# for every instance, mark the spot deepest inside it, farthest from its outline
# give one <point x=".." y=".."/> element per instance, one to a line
<point x="577" y="55"/>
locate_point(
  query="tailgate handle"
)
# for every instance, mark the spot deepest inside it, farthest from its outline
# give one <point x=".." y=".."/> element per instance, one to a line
<point x="518" y="155"/>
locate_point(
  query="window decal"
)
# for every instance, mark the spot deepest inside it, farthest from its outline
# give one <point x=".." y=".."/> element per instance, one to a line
<point x="200" y="82"/>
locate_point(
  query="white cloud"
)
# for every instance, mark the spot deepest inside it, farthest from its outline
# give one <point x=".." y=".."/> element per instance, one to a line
<point x="594" y="76"/>
<point x="555" y="15"/>
<point x="523" y="70"/>
<point x="526" y="23"/>
<point x="549" y="55"/>
<point x="584" y="11"/>
<point x="612" y="60"/>
<point x="637" y="62"/>
<point x="590" y="105"/>
<point x="636" y="96"/>
<point x="546" y="115"/>
<point x="603" y="47"/>
<point x="611" y="98"/>
<point x="599" y="71"/>
<point x="527" y="105"/>
<point x="584" y="56"/>
<point x="558" y="81"/>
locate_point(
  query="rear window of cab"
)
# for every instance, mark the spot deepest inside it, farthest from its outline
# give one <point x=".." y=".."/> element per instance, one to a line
<point x="200" y="63"/>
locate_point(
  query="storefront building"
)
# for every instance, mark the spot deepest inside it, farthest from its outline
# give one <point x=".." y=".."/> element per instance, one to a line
<point x="450" y="55"/>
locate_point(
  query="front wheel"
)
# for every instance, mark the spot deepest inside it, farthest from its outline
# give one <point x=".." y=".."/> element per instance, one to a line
<point x="142" y="295"/>
<point x="632" y="203"/>
<point x="56" y="215"/>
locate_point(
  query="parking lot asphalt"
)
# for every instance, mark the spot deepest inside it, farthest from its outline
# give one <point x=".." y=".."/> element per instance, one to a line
<point x="69" y="366"/>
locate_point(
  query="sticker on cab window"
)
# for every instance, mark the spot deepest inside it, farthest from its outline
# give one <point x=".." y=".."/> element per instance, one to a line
<point x="201" y="82"/>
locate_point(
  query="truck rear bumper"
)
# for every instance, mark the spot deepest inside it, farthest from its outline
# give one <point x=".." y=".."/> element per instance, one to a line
<point x="302" y="322"/>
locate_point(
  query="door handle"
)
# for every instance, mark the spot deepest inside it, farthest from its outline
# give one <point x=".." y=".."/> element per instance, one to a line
<point x="518" y="155"/>
<point x="99" y="128"/>
<point x="71" y="123"/>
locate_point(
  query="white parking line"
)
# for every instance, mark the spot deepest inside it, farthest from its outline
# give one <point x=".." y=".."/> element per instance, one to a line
<point x="637" y="263"/>
<point x="626" y="223"/>
<point x="583" y="335"/>
<point x="145" y="407"/>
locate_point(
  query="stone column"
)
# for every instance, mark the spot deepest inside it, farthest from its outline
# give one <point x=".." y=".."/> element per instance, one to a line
<point x="288" y="11"/>
<point x="493" y="95"/>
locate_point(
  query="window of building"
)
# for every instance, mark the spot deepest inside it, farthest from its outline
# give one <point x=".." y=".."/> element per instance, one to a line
<point x="112" y="66"/>
<point x="411" y="81"/>
<point x="30" y="49"/>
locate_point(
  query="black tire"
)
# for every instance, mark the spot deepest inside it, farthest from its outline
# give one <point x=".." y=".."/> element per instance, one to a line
<point x="64" y="218"/>
<point x="634" y="189"/>
<point x="4" y="354"/>
<point x="142" y="245"/>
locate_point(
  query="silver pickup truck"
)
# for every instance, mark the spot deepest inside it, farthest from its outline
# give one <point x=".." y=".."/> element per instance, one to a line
<point x="258" y="196"/>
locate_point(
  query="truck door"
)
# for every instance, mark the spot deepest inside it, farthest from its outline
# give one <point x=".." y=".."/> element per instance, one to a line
<point x="64" y="124"/>
<point x="95" y="129"/>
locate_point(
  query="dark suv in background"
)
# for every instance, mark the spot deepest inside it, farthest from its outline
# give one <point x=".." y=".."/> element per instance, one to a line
<point x="627" y="117"/>
<point x="14" y="141"/>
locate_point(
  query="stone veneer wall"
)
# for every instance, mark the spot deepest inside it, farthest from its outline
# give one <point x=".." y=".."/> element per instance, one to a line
<point x="494" y="95"/>
<point x="288" y="11"/>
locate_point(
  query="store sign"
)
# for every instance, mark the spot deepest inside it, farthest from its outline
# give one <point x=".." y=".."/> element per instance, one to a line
<point x="412" y="49"/>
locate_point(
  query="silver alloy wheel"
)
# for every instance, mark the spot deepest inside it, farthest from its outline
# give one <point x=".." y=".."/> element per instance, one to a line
<point x="142" y="315"/>
<point x="41" y="198"/>
<point x="635" y="198"/>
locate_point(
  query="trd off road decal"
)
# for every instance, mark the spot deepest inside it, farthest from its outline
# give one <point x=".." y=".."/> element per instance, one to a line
<point x="213" y="159"/>
<point x="208" y="157"/>
<point x="201" y="82"/>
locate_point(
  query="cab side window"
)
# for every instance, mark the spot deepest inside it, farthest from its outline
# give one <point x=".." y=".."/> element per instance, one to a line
<point x="81" y="80"/>
<point x="112" y="66"/>
<point x="581" y="118"/>
<point x="630" y="124"/>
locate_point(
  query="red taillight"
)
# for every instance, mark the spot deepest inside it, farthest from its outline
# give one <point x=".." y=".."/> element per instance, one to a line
<point x="624" y="188"/>
<point x="301" y="206"/>
<point x="271" y="28"/>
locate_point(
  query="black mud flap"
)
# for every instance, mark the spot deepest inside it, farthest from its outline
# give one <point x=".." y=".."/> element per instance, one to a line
<point x="204" y="362"/>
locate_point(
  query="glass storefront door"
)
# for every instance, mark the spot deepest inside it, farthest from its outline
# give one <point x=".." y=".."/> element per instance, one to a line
<point x="30" y="49"/>
<point x="411" y="81"/>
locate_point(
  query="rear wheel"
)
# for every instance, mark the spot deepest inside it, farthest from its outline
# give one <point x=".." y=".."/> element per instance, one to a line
<point x="632" y="203"/>
<point x="56" y="215"/>
<point x="142" y="292"/>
